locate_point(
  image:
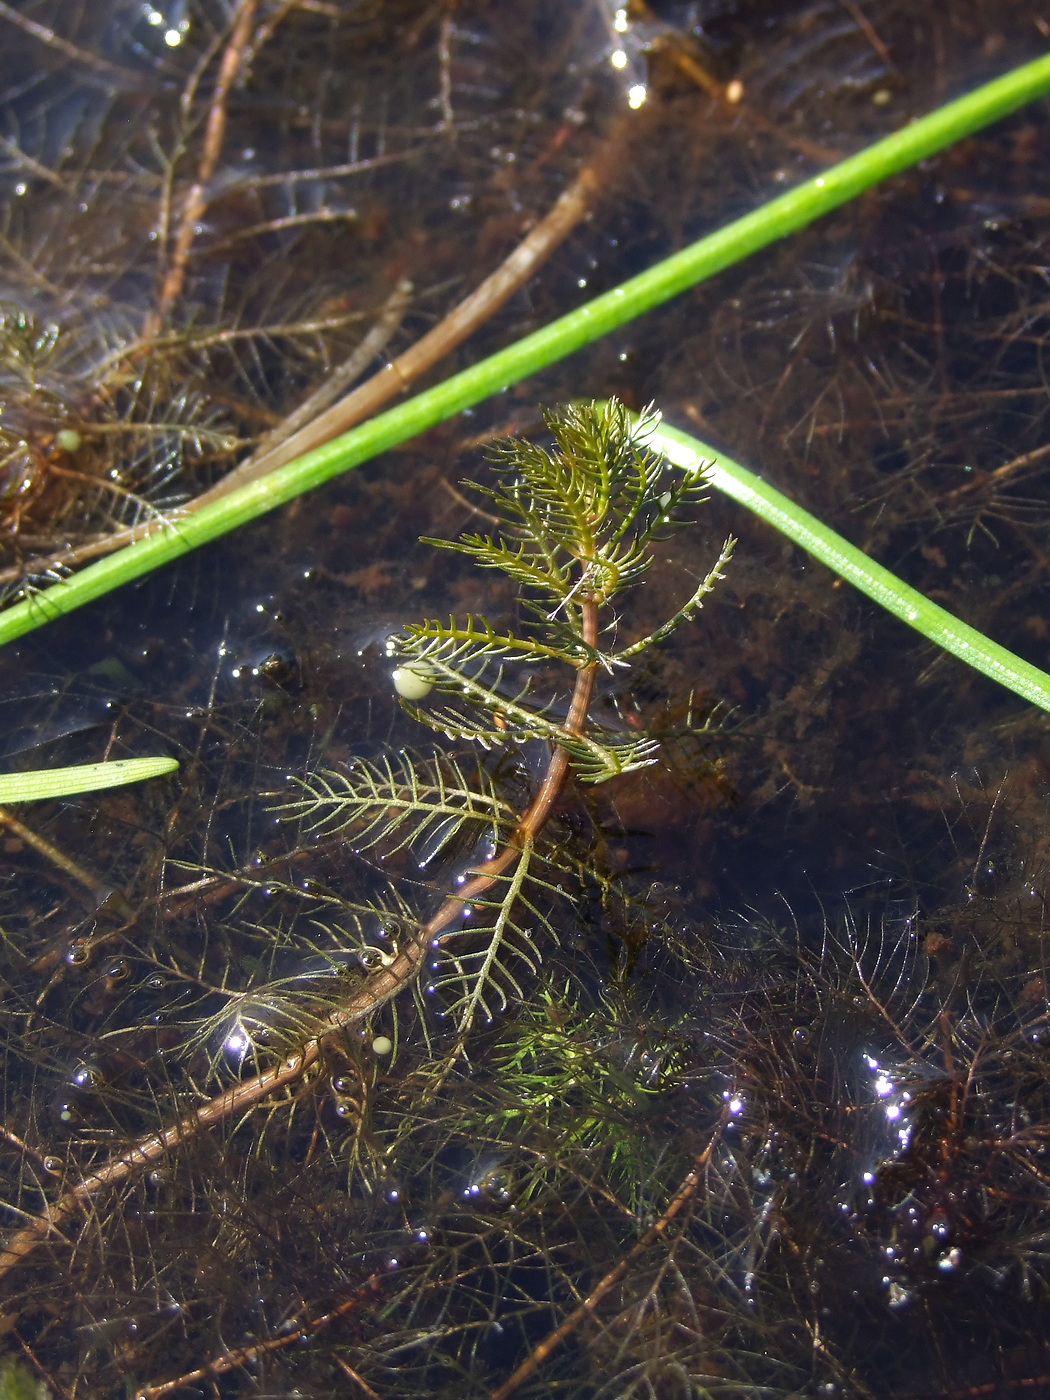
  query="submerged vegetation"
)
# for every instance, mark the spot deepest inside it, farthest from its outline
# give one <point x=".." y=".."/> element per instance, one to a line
<point x="574" y="528"/>
<point x="671" y="1018"/>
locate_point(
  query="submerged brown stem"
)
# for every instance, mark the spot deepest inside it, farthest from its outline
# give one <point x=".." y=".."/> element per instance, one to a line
<point x="127" y="76"/>
<point x="243" y="1356"/>
<point x="98" y="891"/>
<point x="462" y="321"/>
<point x="197" y="198"/>
<point x="361" y="403"/>
<point x="302" y="425"/>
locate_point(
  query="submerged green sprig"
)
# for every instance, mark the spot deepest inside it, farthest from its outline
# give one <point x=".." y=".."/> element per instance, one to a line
<point x="579" y="521"/>
<point x="576" y="524"/>
<point x="400" y="801"/>
<point x="575" y="528"/>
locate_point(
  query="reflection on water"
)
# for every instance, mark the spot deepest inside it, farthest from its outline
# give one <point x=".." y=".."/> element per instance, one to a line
<point x="823" y="929"/>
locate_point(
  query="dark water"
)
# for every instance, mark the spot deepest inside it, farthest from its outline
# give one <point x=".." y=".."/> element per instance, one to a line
<point x="829" y="914"/>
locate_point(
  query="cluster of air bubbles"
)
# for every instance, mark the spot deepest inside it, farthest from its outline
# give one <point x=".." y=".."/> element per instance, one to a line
<point x="626" y="55"/>
<point x="84" y="1082"/>
<point x="115" y="972"/>
<point x="491" y="1182"/>
<point x="345" y="1090"/>
<point x="734" y="1102"/>
<point x="922" y="1237"/>
<point x="85" y="1076"/>
<point x="173" y="26"/>
<point x="894" y="1100"/>
<point x="238" y="1044"/>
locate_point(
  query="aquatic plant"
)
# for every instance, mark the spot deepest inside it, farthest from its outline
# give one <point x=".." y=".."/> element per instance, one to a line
<point x="574" y="528"/>
<point x="646" y="1175"/>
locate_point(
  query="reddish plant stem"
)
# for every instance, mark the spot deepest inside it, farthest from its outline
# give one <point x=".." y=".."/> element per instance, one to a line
<point x="359" y="1381"/>
<point x="242" y="1356"/>
<point x="382" y="985"/>
<point x="197" y="198"/>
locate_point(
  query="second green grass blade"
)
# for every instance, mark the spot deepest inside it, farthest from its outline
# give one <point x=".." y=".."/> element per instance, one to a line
<point x="897" y="597"/>
<point x="721" y="249"/>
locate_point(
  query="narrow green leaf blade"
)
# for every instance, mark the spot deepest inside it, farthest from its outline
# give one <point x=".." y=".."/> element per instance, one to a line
<point x="884" y="587"/>
<point x="85" y="777"/>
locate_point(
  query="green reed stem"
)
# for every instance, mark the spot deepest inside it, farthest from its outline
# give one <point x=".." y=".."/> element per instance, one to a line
<point x="849" y="563"/>
<point x="781" y="216"/>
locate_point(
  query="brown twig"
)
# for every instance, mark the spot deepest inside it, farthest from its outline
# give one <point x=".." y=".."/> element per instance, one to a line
<point x="687" y="1189"/>
<point x="42" y="1163"/>
<point x="53" y="1387"/>
<point x="866" y="27"/>
<point x="98" y="891"/>
<point x="462" y="321"/>
<point x="272" y="450"/>
<point x="26" y="161"/>
<point x="997" y="476"/>
<point x="358" y="1380"/>
<point x="572" y="206"/>
<point x="128" y="77"/>
<point x="197" y="198"/>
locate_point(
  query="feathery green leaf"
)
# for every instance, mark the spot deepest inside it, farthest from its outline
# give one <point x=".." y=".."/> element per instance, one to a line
<point x="400" y="801"/>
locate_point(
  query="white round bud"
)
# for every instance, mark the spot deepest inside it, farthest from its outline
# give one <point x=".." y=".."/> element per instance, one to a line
<point x="411" y="682"/>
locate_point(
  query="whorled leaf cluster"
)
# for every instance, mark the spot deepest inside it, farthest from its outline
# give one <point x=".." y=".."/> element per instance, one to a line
<point x="575" y="528"/>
